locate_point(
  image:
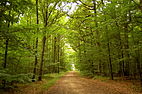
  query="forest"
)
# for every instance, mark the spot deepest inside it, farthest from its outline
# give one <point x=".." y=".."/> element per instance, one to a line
<point x="94" y="37"/>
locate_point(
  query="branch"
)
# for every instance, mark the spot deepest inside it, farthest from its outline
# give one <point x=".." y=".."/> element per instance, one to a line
<point x="135" y="2"/>
<point x="86" y="4"/>
<point x="52" y="9"/>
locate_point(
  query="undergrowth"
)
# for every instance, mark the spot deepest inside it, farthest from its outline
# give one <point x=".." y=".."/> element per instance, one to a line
<point x="102" y="78"/>
<point x="51" y="79"/>
<point x="38" y="86"/>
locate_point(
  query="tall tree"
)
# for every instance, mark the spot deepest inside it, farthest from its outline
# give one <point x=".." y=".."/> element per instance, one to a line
<point x="36" y="43"/>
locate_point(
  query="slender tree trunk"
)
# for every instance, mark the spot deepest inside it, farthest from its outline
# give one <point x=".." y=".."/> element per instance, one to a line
<point x="95" y="13"/>
<point x="43" y="41"/>
<point x="109" y="52"/>
<point x="58" y="51"/>
<point x="97" y="35"/>
<point x="36" y="60"/>
<point x="123" y="65"/>
<point x="6" y="46"/>
<point x="5" y="60"/>
<point x="126" y="46"/>
<point x="109" y="57"/>
<point x="55" y="53"/>
<point x="36" y="48"/>
<point x="42" y="58"/>
<point x="137" y="59"/>
<point x="6" y="53"/>
<point x="120" y="55"/>
<point x="53" y="56"/>
<point x="139" y="65"/>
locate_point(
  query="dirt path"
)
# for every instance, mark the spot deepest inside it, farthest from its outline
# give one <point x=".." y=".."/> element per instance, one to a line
<point x="73" y="84"/>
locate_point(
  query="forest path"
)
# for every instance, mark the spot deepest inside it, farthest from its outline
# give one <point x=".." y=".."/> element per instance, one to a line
<point x="72" y="83"/>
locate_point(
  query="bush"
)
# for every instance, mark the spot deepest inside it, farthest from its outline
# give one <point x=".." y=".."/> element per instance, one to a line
<point x="10" y="79"/>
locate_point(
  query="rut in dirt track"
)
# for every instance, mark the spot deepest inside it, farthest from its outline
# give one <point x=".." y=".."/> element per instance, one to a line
<point x="74" y="84"/>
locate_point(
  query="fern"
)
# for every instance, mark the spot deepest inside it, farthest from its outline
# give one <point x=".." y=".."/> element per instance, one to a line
<point x="10" y="79"/>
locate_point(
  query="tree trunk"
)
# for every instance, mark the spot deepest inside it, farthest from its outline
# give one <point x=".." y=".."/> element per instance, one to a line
<point x="109" y="52"/>
<point x="42" y="59"/>
<point x="120" y="55"/>
<point x="36" y="49"/>
<point x="55" y="54"/>
<point x="110" y="63"/>
<point x="139" y="65"/>
<point x="5" y="60"/>
<point x="58" y="51"/>
<point x="126" y="46"/>
<point x="43" y="42"/>
<point x="6" y="53"/>
<point x="97" y="36"/>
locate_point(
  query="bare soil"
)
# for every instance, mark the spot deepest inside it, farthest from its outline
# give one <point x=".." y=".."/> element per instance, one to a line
<point x="72" y="83"/>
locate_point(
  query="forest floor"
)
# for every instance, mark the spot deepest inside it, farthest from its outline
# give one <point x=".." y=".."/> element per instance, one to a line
<point x="73" y="83"/>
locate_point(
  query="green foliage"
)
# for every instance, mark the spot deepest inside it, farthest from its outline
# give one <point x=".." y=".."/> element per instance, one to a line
<point x="52" y="79"/>
<point x="11" y="79"/>
<point x="105" y="35"/>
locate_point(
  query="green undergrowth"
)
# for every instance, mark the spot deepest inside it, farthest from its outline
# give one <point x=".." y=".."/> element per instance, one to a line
<point x="51" y="79"/>
<point x="92" y="76"/>
<point x="38" y="86"/>
<point x="137" y="88"/>
<point x="86" y="74"/>
<point x="102" y="78"/>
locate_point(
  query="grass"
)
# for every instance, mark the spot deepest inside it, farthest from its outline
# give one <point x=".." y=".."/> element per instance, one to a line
<point x="136" y="88"/>
<point x="52" y="79"/>
<point x="36" y="87"/>
<point x="102" y="78"/>
<point x="91" y="76"/>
